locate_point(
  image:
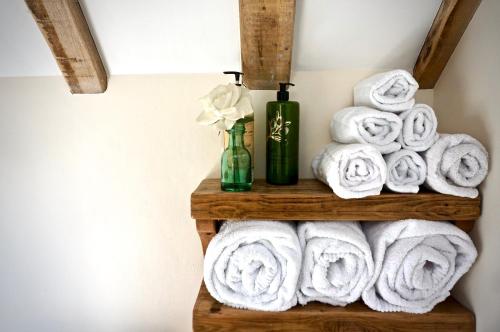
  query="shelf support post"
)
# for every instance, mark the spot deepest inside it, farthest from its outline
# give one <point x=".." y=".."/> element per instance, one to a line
<point x="207" y="228"/>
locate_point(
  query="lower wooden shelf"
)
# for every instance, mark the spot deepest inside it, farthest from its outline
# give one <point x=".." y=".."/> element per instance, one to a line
<point x="210" y="315"/>
<point x="312" y="200"/>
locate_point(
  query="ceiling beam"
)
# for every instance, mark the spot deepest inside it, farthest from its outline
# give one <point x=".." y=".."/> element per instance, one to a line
<point x="448" y="27"/>
<point x="65" y="29"/>
<point x="266" y="33"/>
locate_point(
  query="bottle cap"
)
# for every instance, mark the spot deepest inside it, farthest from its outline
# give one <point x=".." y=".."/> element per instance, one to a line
<point x="236" y="76"/>
<point x="283" y="94"/>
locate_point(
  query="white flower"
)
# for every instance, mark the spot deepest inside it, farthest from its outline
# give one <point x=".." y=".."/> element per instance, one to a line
<point x="225" y="105"/>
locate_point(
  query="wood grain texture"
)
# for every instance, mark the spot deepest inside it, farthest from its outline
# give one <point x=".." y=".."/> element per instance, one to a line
<point x="210" y="315"/>
<point x="65" y="29"/>
<point x="266" y="33"/>
<point x="448" y="27"/>
<point x="312" y="200"/>
<point x="206" y="230"/>
<point x="465" y="225"/>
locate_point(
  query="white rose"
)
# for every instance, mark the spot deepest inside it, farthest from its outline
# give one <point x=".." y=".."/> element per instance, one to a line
<point x="225" y="105"/>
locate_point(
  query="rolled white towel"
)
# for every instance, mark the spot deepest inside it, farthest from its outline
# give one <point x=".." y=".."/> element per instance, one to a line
<point x="337" y="262"/>
<point x="406" y="171"/>
<point x="254" y="265"/>
<point x="417" y="263"/>
<point x="366" y="125"/>
<point x="419" y="128"/>
<point x="456" y="164"/>
<point x="351" y="170"/>
<point x="391" y="91"/>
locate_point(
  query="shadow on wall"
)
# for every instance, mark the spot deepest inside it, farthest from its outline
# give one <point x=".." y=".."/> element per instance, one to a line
<point x="460" y="115"/>
<point x="397" y="54"/>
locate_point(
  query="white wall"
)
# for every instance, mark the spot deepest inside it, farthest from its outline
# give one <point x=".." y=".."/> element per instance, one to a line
<point x="360" y="34"/>
<point x="95" y="228"/>
<point x="193" y="36"/>
<point x="467" y="100"/>
<point x="95" y="233"/>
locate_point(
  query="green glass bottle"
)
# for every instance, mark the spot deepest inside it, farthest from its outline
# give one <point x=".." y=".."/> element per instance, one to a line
<point x="282" y="146"/>
<point x="248" y="138"/>
<point x="236" y="162"/>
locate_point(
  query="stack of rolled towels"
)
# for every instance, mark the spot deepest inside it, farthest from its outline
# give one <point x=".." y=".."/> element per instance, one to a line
<point x="407" y="265"/>
<point x="387" y="139"/>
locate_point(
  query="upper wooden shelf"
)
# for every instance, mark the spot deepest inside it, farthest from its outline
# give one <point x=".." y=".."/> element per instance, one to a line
<point x="312" y="200"/>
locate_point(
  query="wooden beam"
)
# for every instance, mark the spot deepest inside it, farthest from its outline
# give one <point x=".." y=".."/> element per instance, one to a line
<point x="448" y="27"/>
<point x="65" y="29"/>
<point x="266" y="32"/>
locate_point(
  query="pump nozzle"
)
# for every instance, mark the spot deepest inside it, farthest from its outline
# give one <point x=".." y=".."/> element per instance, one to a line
<point x="236" y="76"/>
<point x="283" y="94"/>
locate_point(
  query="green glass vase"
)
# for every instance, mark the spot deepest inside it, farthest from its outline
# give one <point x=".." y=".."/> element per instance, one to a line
<point x="236" y="162"/>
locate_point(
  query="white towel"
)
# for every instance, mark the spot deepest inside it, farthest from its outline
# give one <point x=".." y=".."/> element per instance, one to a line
<point x="391" y="91"/>
<point x="417" y="263"/>
<point x="456" y="164"/>
<point x="367" y="125"/>
<point x="419" y="128"/>
<point x="406" y="171"/>
<point x="351" y="170"/>
<point x="254" y="265"/>
<point x="337" y="262"/>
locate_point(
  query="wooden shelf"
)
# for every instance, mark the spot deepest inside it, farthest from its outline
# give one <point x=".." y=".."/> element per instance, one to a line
<point x="312" y="200"/>
<point x="210" y="315"/>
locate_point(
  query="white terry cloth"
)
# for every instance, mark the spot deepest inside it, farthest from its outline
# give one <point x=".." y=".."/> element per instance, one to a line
<point x="366" y="125"/>
<point x="417" y="263"/>
<point x="351" y="170"/>
<point x="419" y="128"/>
<point x="254" y="265"/>
<point x="456" y="164"/>
<point x="337" y="262"/>
<point x="406" y="171"/>
<point x="391" y="91"/>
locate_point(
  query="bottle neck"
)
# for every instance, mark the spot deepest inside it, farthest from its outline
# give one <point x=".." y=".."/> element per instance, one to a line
<point x="236" y="135"/>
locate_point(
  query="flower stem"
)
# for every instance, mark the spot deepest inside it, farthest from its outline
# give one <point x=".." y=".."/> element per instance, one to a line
<point x="235" y="158"/>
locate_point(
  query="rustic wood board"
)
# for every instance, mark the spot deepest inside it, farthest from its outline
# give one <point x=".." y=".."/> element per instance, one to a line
<point x="210" y="315"/>
<point x="312" y="200"/>
<point x="65" y="29"/>
<point x="448" y="27"/>
<point x="266" y="34"/>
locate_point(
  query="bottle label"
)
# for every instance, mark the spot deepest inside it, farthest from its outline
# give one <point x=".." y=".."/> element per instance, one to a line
<point x="279" y="128"/>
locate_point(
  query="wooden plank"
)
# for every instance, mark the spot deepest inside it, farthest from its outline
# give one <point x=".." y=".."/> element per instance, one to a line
<point x="206" y="226"/>
<point x="205" y="239"/>
<point x="448" y="27"/>
<point x="266" y="33"/>
<point x="206" y="231"/>
<point x="465" y="225"/>
<point x="65" y="29"/>
<point x="209" y="315"/>
<point x="312" y="200"/>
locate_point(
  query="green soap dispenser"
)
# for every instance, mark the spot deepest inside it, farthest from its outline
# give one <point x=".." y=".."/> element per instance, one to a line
<point x="282" y="135"/>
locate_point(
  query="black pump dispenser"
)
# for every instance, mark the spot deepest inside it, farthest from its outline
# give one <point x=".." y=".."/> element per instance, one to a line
<point x="283" y="94"/>
<point x="236" y="76"/>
